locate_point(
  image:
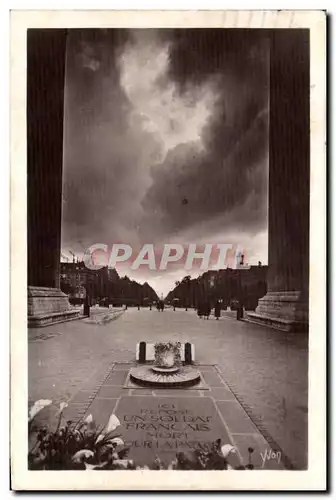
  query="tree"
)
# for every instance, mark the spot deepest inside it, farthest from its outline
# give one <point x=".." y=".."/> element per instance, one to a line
<point x="186" y="290"/>
<point x="186" y="279"/>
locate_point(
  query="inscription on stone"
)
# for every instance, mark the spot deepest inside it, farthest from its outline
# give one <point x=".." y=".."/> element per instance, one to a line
<point x="169" y="424"/>
<point x="164" y="426"/>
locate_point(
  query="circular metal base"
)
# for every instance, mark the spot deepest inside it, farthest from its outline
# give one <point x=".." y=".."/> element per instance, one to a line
<point x="145" y="376"/>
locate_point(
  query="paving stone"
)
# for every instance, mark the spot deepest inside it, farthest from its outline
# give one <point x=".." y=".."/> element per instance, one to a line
<point x="263" y="457"/>
<point x="222" y="378"/>
<point x="176" y="393"/>
<point x="221" y="393"/>
<point x="123" y="366"/>
<point x="108" y="391"/>
<point x="205" y="368"/>
<point x="93" y="382"/>
<point x="75" y="411"/>
<point x="235" y="417"/>
<point x="212" y="379"/>
<point x="142" y="392"/>
<point x="82" y="397"/>
<point x="116" y="378"/>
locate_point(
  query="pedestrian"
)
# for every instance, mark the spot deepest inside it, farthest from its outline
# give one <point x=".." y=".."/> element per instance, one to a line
<point x="240" y="311"/>
<point x="217" y="309"/>
<point x="201" y="310"/>
<point x="207" y="310"/>
<point x="87" y="306"/>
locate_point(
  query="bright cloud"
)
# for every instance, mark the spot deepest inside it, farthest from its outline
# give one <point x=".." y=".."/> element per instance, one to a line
<point x="176" y="118"/>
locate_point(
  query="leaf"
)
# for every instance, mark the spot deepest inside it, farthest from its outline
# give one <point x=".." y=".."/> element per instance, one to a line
<point x="124" y="453"/>
<point x="113" y="423"/>
<point x="110" y="435"/>
<point x="226" y="449"/>
<point x="217" y="444"/>
<point x="117" y="441"/>
<point x="88" y="419"/>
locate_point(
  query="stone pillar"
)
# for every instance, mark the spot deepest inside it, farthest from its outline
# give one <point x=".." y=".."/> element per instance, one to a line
<point x="46" y="51"/>
<point x="285" y="305"/>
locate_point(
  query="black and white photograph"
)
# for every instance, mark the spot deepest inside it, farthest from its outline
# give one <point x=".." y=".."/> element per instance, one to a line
<point x="168" y="278"/>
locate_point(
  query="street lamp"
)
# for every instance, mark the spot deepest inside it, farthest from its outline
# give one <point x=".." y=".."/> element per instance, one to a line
<point x="86" y="300"/>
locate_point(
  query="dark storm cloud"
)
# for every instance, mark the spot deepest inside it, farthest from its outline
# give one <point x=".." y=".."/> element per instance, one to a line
<point x="189" y="188"/>
<point x="165" y="134"/>
<point x="230" y="176"/>
<point x="102" y="172"/>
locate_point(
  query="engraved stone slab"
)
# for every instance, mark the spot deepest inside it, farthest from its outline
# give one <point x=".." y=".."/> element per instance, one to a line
<point x="163" y="426"/>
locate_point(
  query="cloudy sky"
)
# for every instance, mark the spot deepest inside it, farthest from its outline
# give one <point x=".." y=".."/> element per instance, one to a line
<point x="166" y="141"/>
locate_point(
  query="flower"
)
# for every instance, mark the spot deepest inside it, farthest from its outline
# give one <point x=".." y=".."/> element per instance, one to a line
<point x="158" y="463"/>
<point x="63" y="405"/>
<point x="37" y="407"/>
<point x="89" y="423"/>
<point x="172" y="465"/>
<point x="89" y="419"/>
<point x="39" y="458"/>
<point x="81" y="455"/>
<point x="226" y="449"/>
<point x="112" y="424"/>
<point x="77" y="435"/>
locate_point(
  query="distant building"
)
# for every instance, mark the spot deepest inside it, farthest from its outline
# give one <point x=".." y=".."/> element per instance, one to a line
<point x="76" y="280"/>
<point x="103" y="286"/>
<point x="246" y="285"/>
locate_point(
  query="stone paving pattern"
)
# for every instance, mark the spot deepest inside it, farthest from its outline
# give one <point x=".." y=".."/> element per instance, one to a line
<point x="265" y="370"/>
